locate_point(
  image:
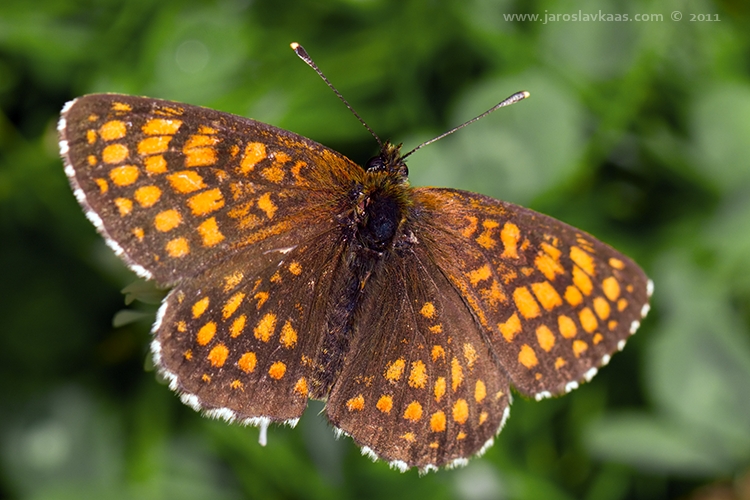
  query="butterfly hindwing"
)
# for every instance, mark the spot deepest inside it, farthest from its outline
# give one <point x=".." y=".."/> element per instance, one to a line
<point x="241" y="339"/>
<point x="420" y="387"/>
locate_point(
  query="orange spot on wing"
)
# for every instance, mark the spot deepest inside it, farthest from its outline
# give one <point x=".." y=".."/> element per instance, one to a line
<point x="547" y="295"/>
<point x="254" y="153"/>
<point x="611" y="288"/>
<point x="480" y="391"/>
<point x="428" y="310"/>
<point x="583" y="260"/>
<point x="277" y="370"/>
<point x="261" y="297"/>
<point x="356" y="403"/>
<point x="161" y="126"/>
<point x="206" y="333"/>
<point x="567" y="326"/>
<point x="121" y="106"/>
<point x="274" y="173"/>
<point x="588" y="320"/>
<point x="147" y="196"/>
<point x="457" y="374"/>
<point x="601" y="306"/>
<point x="579" y="347"/>
<point x="437" y="353"/>
<point x="125" y="175"/>
<point x="413" y="411"/>
<point x="103" y="186"/>
<point x="288" y="336"/>
<point x="418" y="375"/>
<point x="232" y="280"/>
<point x="218" y="355"/>
<point x="582" y="281"/>
<point x="384" y="404"/>
<point x="471" y="228"/>
<point x="616" y="263"/>
<point x="265" y="327"/>
<point x="525" y="303"/>
<point x="112" y="130"/>
<point x="199" y="150"/>
<point x="301" y="387"/>
<point x="167" y="220"/>
<point x="394" y="370"/>
<point x="527" y="357"/>
<point x="545" y="338"/>
<point x="247" y="362"/>
<point x="548" y="266"/>
<point x="485" y="239"/>
<point x="200" y="307"/>
<point x="238" y="325"/>
<point x="439" y="389"/>
<point x="185" y="181"/>
<point x="155" y="164"/>
<point x="268" y="206"/>
<point x="480" y="274"/>
<point x="511" y="327"/>
<point x="460" y="411"/>
<point x="437" y="421"/>
<point x="232" y="304"/>
<point x="154" y="145"/>
<point x="573" y="296"/>
<point x="510" y="235"/>
<point x="209" y="231"/>
<point x="206" y="202"/>
<point x="177" y="247"/>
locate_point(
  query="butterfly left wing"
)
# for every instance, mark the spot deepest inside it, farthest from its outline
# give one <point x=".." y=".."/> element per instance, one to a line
<point x="553" y="302"/>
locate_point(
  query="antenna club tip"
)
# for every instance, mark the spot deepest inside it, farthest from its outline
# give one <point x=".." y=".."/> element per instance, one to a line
<point x="294" y="45"/>
<point x="524" y="93"/>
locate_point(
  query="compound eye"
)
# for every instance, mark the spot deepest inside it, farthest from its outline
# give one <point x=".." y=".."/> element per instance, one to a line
<point x="375" y="164"/>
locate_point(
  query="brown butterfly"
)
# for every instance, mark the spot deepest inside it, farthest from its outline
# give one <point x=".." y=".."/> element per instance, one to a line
<point x="297" y="274"/>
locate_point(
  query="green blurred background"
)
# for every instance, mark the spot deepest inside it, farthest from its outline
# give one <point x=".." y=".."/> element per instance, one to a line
<point x="638" y="132"/>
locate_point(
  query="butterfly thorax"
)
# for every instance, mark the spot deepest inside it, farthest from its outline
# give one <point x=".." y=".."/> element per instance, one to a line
<point x="373" y="227"/>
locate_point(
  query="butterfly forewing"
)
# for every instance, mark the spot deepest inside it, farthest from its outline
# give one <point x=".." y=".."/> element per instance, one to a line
<point x="553" y="302"/>
<point x="174" y="187"/>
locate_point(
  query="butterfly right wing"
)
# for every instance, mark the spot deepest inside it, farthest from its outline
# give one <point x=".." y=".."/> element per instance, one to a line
<point x="240" y="341"/>
<point x="175" y="188"/>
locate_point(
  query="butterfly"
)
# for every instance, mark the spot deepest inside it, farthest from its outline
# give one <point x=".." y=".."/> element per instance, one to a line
<point x="297" y="274"/>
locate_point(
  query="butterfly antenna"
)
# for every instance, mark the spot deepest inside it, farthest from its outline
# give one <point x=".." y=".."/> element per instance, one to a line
<point x="302" y="53"/>
<point x="518" y="96"/>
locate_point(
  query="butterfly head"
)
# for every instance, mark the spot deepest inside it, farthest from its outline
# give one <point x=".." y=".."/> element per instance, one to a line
<point x="389" y="161"/>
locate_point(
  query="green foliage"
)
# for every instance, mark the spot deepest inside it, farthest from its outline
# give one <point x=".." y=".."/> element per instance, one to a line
<point x="637" y="132"/>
